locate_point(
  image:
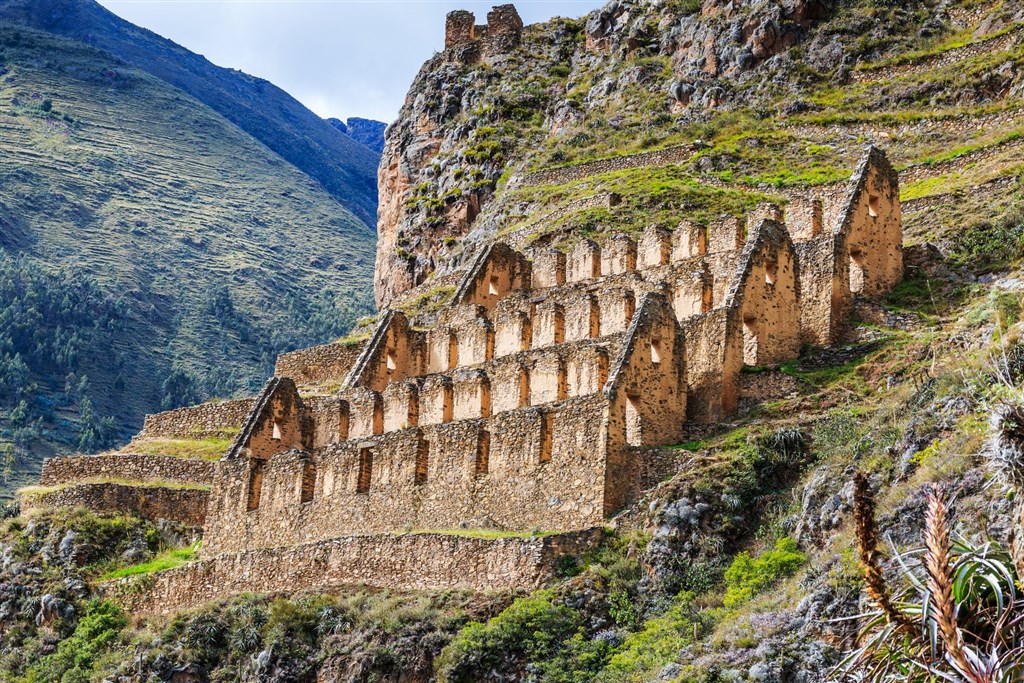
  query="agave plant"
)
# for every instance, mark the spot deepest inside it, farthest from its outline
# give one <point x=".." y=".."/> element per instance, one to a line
<point x="958" y="615"/>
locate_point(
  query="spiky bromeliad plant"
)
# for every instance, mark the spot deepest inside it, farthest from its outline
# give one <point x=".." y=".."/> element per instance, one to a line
<point x="959" y="616"/>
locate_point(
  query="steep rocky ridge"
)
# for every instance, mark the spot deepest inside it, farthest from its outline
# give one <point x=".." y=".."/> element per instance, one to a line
<point x="343" y="167"/>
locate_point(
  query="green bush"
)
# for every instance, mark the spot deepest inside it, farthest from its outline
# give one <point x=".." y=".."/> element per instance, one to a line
<point x="97" y="632"/>
<point x="748" y="576"/>
<point x="531" y="629"/>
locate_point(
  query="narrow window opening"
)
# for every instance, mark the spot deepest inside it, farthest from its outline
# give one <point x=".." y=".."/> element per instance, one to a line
<point x="770" y="271"/>
<point x="255" y="485"/>
<point x="656" y="351"/>
<point x="559" y="322"/>
<point x="422" y="462"/>
<point x="276" y="434"/>
<point x="365" y="470"/>
<point x="492" y="286"/>
<point x="453" y="351"/>
<point x="633" y="423"/>
<point x="308" y="481"/>
<point x="446" y="403"/>
<point x="392" y="362"/>
<point x="547" y="436"/>
<point x="750" y="341"/>
<point x="856" y="271"/>
<point x="874" y="205"/>
<point x="485" y="400"/>
<point x="483" y="453"/>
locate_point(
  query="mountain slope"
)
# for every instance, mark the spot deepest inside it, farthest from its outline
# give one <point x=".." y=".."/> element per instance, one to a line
<point x="346" y="169"/>
<point x="219" y="252"/>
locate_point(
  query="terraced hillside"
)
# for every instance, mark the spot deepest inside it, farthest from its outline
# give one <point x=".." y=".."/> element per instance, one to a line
<point x="689" y="113"/>
<point x="219" y="252"/>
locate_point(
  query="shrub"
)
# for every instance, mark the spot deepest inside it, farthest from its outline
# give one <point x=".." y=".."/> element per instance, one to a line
<point x="97" y="632"/>
<point x="748" y="576"/>
<point x="531" y="629"/>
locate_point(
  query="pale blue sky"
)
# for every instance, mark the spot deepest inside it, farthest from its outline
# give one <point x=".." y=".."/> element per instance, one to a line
<point x="338" y="57"/>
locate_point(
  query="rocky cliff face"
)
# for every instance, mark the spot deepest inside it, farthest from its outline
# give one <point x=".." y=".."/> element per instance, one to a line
<point x="466" y="122"/>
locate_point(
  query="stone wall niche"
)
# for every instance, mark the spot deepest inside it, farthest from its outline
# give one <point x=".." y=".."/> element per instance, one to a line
<point x="548" y="325"/>
<point x="366" y="416"/>
<point x="510" y="387"/>
<point x="617" y="308"/>
<point x="436" y="400"/>
<point x="513" y="332"/>
<point x="582" y="318"/>
<point x="472" y="395"/>
<point x="654" y="248"/>
<point x="618" y="255"/>
<point x="689" y="240"/>
<point x="548" y="269"/>
<point x="726" y="234"/>
<point x="548" y="380"/>
<point x="583" y="262"/>
<point x="401" y="406"/>
<point x="587" y="371"/>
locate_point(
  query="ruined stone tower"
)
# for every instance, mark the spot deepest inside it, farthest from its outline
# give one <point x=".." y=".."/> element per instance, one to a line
<point x="469" y="42"/>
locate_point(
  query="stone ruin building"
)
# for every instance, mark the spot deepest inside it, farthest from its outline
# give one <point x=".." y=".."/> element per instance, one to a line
<point x="532" y="402"/>
<point x="502" y="33"/>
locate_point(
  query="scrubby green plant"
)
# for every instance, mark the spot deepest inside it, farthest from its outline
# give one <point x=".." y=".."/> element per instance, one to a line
<point x="531" y="629"/>
<point x="97" y="632"/>
<point x="747" y="576"/>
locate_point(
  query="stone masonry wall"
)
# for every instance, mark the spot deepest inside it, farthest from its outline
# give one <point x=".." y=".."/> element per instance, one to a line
<point x="197" y="422"/>
<point x="319" y="364"/>
<point x="131" y="467"/>
<point x="185" y="506"/>
<point x="519" y="470"/>
<point x="405" y="562"/>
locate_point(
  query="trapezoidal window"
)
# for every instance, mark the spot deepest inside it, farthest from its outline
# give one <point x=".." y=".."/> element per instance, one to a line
<point x="634" y="431"/>
<point x="422" y="462"/>
<point x="483" y="453"/>
<point x="365" y="471"/>
<point x="656" y="351"/>
<point x="308" y="481"/>
<point x="255" y="485"/>
<point x="750" y="341"/>
<point x="276" y="432"/>
<point x="391" y="362"/>
<point x="874" y="205"/>
<point x="547" y="437"/>
<point x="492" y="286"/>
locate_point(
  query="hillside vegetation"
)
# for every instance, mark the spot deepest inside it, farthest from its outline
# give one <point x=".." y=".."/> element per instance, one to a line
<point x="203" y="252"/>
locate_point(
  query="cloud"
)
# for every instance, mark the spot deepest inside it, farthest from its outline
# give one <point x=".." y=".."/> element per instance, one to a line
<point x="339" y="57"/>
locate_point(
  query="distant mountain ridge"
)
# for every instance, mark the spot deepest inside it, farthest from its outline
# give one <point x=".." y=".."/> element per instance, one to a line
<point x="343" y="166"/>
<point x="366" y="131"/>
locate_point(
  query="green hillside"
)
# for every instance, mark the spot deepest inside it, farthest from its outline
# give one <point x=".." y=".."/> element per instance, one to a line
<point x="215" y="252"/>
